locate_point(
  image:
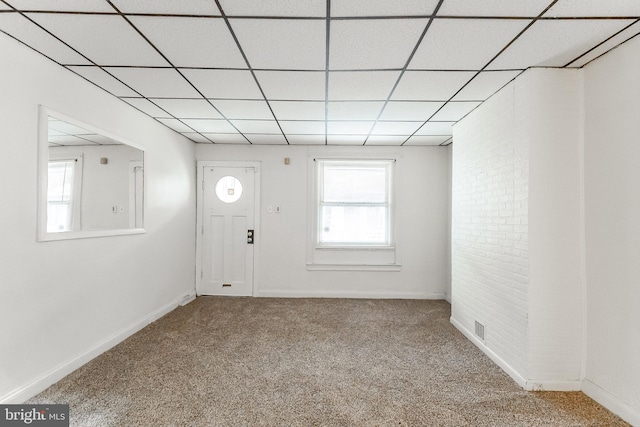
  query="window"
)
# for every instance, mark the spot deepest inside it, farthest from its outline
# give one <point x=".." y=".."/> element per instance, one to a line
<point x="354" y="203"/>
<point x="63" y="182"/>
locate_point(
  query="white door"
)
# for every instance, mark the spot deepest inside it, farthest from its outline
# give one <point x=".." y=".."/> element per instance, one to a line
<point x="227" y="227"/>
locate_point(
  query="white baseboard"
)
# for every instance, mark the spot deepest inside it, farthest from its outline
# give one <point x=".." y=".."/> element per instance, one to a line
<point x="31" y="389"/>
<point x="275" y="293"/>
<point x="611" y="402"/>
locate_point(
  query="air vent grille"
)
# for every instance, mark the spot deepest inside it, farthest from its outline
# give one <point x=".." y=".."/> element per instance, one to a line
<point x="480" y="330"/>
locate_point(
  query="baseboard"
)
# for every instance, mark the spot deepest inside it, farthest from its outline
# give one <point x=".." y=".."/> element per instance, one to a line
<point x="31" y="389"/>
<point x="275" y="293"/>
<point x="611" y="402"/>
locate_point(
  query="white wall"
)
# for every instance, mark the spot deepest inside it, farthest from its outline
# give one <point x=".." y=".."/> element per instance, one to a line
<point x="282" y="270"/>
<point x="63" y="302"/>
<point x="612" y="213"/>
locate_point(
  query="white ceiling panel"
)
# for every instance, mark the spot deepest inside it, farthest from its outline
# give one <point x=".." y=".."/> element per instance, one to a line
<point x="208" y="40"/>
<point x="176" y="125"/>
<point x="609" y="44"/>
<point x="104" y="80"/>
<point x="436" y="128"/>
<point x="289" y="8"/>
<point x="346" y="139"/>
<point x="349" y="128"/>
<point x="591" y="8"/>
<point x="224" y="83"/>
<point x="366" y="86"/>
<point x="155" y="82"/>
<point x="474" y="41"/>
<point x="292" y="85"/>
<point x="69" y="140"/>
<point x="282" y="43"/>
<point x="104" y="39"/>
<point x="556" y="43"/>
<point x="426" y="140"/>
<point x="188" y="108"/>
<point x="410" y="110"/>
<point x="33" y="36"/>
<point x="395" y="128"/>
<point x="298" y="110"/>
<point x="386" y="139"/>
<point x="302" y="127"/>
<point x="207" y="125"/>
<point x="484" y="85"/>
<point x="235" y="109"/>
<point x="4" y="7"/>
<point x="147" y="107"/>
<point x="306" y="139"/>
<point x="196" y="137"/>
<point x="65" y="128"/>
<point x="454" y="111"/>
<point x="340" y="8"/>
<point x="63" y="5"/>
<point x="516" y="8"/>
<point x="354" y="110"/>
<point x="101" y="139"/>
<point x="373" y="44"/>
<point x="227" y="138"/>
<point x="191" y="7"/>
<point x="257" y="126"/>
<point x="430" y="85"/>
<point x="267" y="139"/>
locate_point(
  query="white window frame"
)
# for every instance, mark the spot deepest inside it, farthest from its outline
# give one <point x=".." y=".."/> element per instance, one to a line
<point x="76" y="190"/>
<point x="353" y="256"/>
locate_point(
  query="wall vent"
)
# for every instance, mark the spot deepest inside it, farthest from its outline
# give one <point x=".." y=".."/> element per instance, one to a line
<point x="480" y="330"/>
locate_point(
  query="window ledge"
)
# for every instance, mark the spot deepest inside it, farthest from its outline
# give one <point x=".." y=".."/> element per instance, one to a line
<point x="353" y="267"/>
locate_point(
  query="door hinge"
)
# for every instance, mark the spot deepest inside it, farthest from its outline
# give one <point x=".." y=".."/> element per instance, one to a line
<point x="250" y="237"/>
<point x="202" y="230"/>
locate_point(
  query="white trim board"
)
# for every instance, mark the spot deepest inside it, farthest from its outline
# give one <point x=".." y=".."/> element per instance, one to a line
<point x="40" y="384"/>
<point x="611" y="402"/>
<point x="287" y="293"/>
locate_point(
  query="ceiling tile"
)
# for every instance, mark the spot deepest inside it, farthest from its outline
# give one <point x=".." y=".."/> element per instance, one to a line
<point x="235" y="109"/>
<point x="426" y="140"/>
<point x="257" y="126"/>
<point x="591" y="8"/>
<point x="188" y="108"/>
<point x="395" y="128"/>
<point x="298" y="110"/>
<point x="436" y="128"/>
<point x="302" y="127"/>
<point x="104" y="39"/>
<point x="224" y="83"/>
<point x="556" y="43"/>
<point x="516" y="8"/>
<point x="306" y="139"/>
<point x="365" y="86"/>
<point x="227" y="138"/>
<point x="109" y="83"/>
<point x="287" y="8"/>
<point x="382" y="8"/>
<point x="69" y="140"/>
<point x="210" y="126"/>
<point x="63" y="5"/>
<point x="282" y="43"/>
<point x="196" y="137"/>
<point x="67" y="128"/>
<point x="267" y="139"/>
<point x="430" y="85"/>
<point x="33" y="36"/>
<point x="373" y="43"/>
<point x="292" y="85"/>
<point x="176" y="125"/>
<point x="346" y="139"/>
<point x="485" y="84"/>
<point x="349" y="128"/>
<point x="410" y="110"/>
<point x="608" y="45"/>
<point x="474" y="41"/>
<point x="4" y="7"/>
<point x="354" y="110"/>
<point x="101" y="139"/>
<point x="386" y="139"/>
<point x="454" y="111"/>
<point x="147" y="107"/>
<point x="155" y="83"/>
<point x="208" y="40"/>
<point x="191" y="7"/>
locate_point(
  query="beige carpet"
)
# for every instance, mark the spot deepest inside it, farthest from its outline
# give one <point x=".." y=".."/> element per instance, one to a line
<point x="308" y="362"/>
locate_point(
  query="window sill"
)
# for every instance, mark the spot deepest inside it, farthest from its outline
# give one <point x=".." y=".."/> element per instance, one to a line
<point x="353" y="267"/>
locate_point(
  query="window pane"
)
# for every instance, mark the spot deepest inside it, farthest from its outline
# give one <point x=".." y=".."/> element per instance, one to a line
<point x="354" y="224"/>
<point x="59" y="192"/>
<point x="352" y="183"/>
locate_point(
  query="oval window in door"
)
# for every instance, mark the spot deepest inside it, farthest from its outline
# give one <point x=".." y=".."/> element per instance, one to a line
<point x="228" y="189"/>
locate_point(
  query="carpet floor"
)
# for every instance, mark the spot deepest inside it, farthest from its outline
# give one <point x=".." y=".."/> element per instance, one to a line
<point x="308" y="362"/>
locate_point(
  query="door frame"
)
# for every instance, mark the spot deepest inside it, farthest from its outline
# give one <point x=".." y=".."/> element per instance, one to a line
<point x="201" y="165"/>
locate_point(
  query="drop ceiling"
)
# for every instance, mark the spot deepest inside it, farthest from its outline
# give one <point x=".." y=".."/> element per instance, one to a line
<point x="336" y="72"/>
